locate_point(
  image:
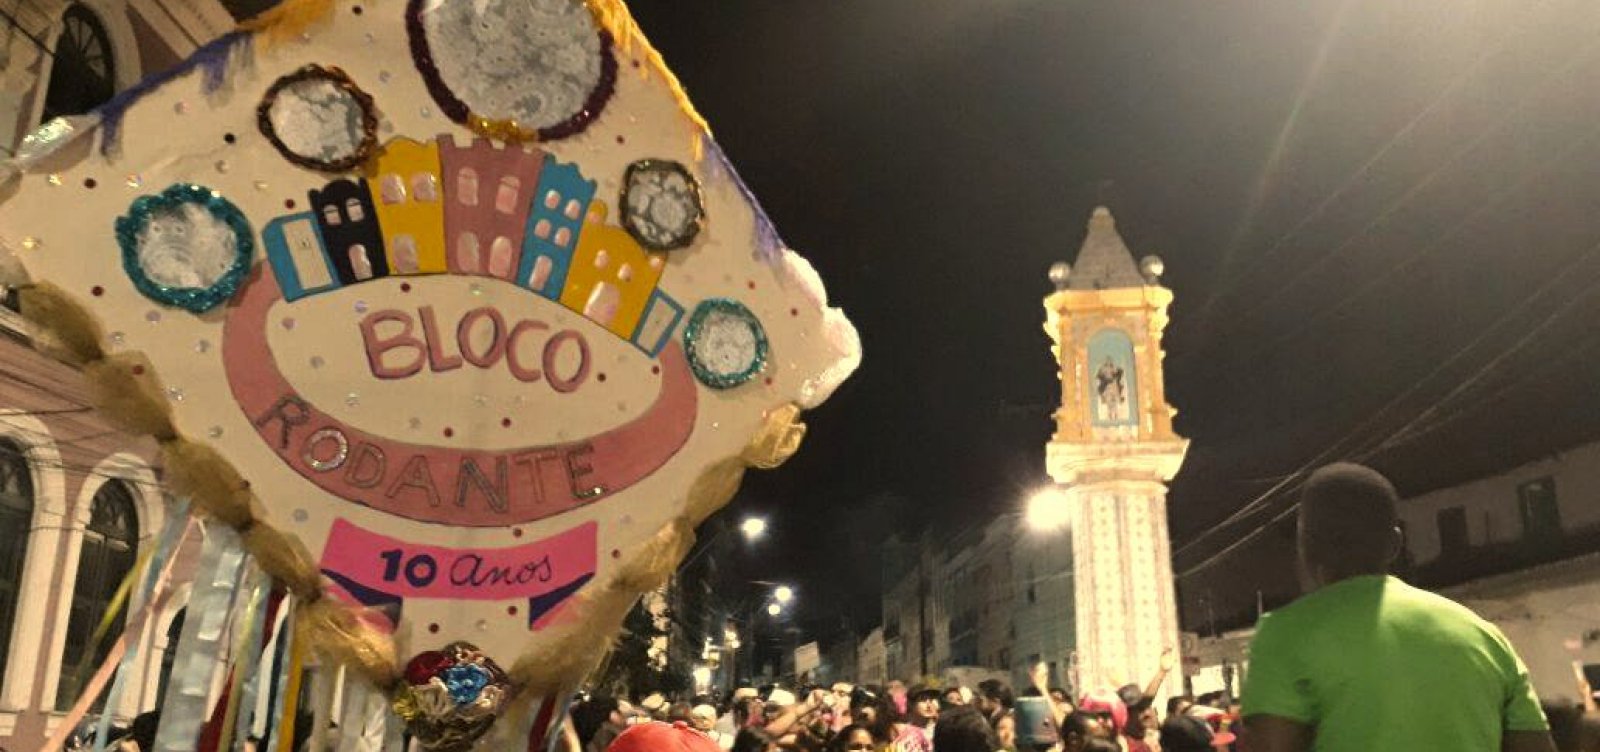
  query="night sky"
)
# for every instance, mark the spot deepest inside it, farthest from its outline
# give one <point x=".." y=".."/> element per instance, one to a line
<point x="1381" y="221"/>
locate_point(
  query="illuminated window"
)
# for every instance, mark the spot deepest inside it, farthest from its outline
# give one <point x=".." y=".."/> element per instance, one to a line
<point x="563" y="237"/>
<point x="467" y="186"/>
<point x="573" y="209"/>
<point x="16" y="517"/>
<point x="541" y="273"/>
<point x="353" y="210"/>
<point x="330" y="215"/>
<point x="505" y="199"/>
<point x="424" y="187"/>
<point x="500" y="257"/>
<point x="110" y="544"/>
<point x="542" y="229"/>
<point x="393" y="189"/>
<point x="360" y="265"/>
<point x="552" y="200"/>
<point x="467" y="252"/>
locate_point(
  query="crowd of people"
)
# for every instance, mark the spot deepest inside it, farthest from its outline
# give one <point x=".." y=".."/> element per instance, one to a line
<point x="1362" y="662"/>
<point x="989" y="717"/>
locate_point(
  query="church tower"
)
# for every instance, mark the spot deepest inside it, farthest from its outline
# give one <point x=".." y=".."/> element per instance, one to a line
<point x="1113" y="452"/>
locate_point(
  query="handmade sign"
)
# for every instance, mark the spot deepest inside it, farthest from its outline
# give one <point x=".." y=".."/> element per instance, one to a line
<point x="453" y="309"/>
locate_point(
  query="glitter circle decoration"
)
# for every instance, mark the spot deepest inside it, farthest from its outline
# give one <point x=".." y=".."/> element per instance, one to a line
<point x="661" y="204"/>
<point x="451" y="697"/>
<point x="318" y="118"/>
<point x="515" y="70"/>
<point x="186" y="246"/>
<point x="725" y="343"/>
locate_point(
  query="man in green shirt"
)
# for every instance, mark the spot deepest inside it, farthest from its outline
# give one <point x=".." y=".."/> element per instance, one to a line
<point x="1366" y="663"/>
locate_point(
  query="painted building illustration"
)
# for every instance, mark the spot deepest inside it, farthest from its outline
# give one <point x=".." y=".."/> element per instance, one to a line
<point x="405" y="192"/>
<point x="480" y="209"/>
<point x="490" y="188"/>
<point x="349" y="230"/>
<point x="611" y="276"/>
<point x="555" y="220"/>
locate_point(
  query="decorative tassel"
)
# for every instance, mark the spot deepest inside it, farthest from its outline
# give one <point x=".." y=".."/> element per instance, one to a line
<point x="197" y="471"/>
<point x="333" y="630"/>
<point x="286" y="559"/>
<point x="72" y="333"/>
<point x="126" y="391"/>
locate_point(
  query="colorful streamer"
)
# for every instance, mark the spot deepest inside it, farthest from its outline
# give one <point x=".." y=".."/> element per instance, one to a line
<point x="165" y="544"/>
<point x="184" y="708"/>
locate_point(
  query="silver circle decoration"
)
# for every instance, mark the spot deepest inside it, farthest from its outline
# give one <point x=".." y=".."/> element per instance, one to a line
<point x="661" y="204"/>
<point x="318" y="118"/>
<point x="186" y="246"/>
<point x="725" y="343"/>
<point x="513" y="69"/>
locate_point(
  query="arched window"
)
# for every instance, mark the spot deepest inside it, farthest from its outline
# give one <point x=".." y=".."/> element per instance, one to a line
<point x="110" y="545"/>
<point x="16" y="516"/>
<point x="84" y="75"/>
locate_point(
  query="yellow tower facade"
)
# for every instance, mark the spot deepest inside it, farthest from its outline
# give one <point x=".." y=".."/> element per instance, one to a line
<point x="1113" y="452"/>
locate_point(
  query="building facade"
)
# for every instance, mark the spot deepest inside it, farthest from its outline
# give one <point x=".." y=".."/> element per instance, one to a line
<point x="79" y="502"/>
<point x="60" y="58"/>
<point x="1113" y="452"/>
<point x="1520" y="548"/>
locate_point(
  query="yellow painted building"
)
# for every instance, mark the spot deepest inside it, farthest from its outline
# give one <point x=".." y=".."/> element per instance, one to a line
<point x="404" y="180"/>
<point x="611" y="275"/>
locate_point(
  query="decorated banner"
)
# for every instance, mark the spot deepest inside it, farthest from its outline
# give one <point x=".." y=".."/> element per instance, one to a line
<point x="453" y="309"/>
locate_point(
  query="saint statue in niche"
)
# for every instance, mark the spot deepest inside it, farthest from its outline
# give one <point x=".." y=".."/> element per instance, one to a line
<point x="1113" y="379"/>
<point x="1112" y="405"/>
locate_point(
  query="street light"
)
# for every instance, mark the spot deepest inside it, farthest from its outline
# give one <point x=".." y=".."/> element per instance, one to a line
<point x="753" y="528"/>
<point x="1047" y="509"/>
<point x="783" y="594"/>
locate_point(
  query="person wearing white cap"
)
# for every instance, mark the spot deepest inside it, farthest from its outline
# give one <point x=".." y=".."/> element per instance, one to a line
<point x="703" y="718"/>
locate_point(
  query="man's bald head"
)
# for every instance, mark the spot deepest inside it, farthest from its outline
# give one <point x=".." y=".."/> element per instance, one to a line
<point x="1347" y="522"/>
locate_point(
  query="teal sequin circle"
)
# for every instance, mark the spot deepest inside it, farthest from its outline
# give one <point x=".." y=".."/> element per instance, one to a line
<point x="725" y="343"/>
<point x="170" y="202"/>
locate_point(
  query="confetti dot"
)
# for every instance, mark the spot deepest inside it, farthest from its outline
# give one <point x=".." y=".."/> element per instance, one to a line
<point x="214" y="432"/>
<point x="229" y="138"/>
<point x="202" y="346"/>
<point x="29" y="243"/>
<point x="769" y="381"/>
<point x="505" y="422"/>
<point x="383" y="77"/>
<point x="482" y="625"/>
<point x="655" y="370"/>
<point x="751" y="284"/>
<point x="97" y="291"/>
<point x="222" y="165"/>
<point x="635" y="63"/>
<point x="317" y="361"/>
<point x="426" y="112"/>
<point x="361" y="306"/>
<point x="261" y="185"/>
<point x="54" y="179"/>
<point x="516" y="532"/>
<point x="89" y="183"/>
<point x="152" y="316"/>
<point x="794" y="312"/>
<point x="415" y="423"/>
<point x="352" y="399"/>
<point x="433" y="628"/>
<point x="301" y="515"/>
<point x="288" y="323"/>
<point x="181" y="107"/>
<point x="512" y="610"/>
<point x="621" y="140"/>
<point x="616" y="553"/>
<point x="288" y="203"/>
<point x="405" y="287"/>
<point x="448" y="432"/>
<point x="117" y="338"/>
<point x="175" y="393"/>
<point x="356" y="10"/>
<point x="601" y="377"/>
<point x="138" y="370"/>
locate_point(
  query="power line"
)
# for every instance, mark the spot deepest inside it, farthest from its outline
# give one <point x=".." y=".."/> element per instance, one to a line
<point x="1486" y="368"/>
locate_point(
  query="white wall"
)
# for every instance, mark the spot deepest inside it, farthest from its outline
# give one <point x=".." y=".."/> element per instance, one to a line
<point x="1493" y="510"/>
